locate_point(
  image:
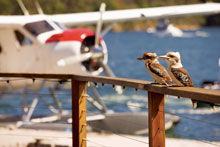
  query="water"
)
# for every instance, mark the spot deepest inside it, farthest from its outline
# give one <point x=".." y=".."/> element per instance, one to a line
<point x="200" y="56"/>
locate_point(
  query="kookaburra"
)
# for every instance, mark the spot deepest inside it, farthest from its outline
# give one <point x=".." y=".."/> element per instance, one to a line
<point x="156" y="70"/>
<point x="178" y="74"/>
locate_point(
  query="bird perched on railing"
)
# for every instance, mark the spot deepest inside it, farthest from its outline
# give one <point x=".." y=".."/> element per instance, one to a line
<point x="178" y="74"/>
<point x="156" y="70"/>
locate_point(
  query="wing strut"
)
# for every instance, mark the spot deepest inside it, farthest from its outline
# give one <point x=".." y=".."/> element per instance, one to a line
<point x="24" y="10"/>
<point x="39" y="9"/>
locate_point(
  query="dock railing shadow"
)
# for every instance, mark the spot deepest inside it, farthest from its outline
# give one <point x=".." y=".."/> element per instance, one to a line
<point x="156" y="107"/>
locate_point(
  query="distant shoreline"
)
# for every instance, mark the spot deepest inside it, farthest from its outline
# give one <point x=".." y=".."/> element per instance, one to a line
<point x="142" y="28"/>
<point x="188" y="27"/>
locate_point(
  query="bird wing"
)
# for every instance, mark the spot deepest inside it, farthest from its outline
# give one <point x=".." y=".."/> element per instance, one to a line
<point x="159" y="70"/>
<point x="182" y="75"/>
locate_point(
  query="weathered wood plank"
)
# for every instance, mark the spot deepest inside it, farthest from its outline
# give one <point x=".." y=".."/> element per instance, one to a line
<point x="156" y="119"/>
<point x="79" y="113"/>
<point x="187" y="92"/>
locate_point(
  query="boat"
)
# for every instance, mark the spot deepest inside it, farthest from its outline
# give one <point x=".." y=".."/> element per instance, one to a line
<point x="165" y="28"/>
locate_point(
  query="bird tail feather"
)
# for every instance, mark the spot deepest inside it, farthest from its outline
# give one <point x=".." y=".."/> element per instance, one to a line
<point x="194" y="102"/>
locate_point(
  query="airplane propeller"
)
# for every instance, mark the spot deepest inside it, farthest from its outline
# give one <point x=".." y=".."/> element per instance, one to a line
<point x="74" y="59"/>
<point x="92" y="53"/>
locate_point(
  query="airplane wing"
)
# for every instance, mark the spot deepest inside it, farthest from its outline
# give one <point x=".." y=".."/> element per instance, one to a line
<point x="137" y="14"/>
<point x="116" y="15"/>
<point x="7" y="21"/>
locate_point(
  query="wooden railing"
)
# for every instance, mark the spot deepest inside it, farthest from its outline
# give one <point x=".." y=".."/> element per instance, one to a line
<point x="156" y="106"/>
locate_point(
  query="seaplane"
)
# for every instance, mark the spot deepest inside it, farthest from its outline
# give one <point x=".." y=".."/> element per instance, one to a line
<point x="43" y="43"/>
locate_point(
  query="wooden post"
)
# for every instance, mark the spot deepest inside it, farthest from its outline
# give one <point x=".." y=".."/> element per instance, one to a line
<point x="78" y="113"/>
<point x="156" y="119"/>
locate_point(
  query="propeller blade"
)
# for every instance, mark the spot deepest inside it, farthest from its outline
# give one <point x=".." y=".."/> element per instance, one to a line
<point x="74" y="59"/>
<point x="99" y="24"/>
<point x="109" y="73"/>
<point x="108" y="29"/>
<point x="98" y="99"/>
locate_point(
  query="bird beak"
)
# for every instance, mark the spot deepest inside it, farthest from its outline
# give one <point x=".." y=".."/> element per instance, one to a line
<point x="164" y="57"/>
<point x="140" y="58"/>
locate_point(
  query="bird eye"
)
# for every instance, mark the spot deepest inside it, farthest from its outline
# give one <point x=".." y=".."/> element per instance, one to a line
<point x="146" y="57"/>
<point x="171" y="56"/>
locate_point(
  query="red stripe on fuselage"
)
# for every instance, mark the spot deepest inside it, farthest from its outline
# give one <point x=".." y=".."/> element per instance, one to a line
<point x="78" y="34"/>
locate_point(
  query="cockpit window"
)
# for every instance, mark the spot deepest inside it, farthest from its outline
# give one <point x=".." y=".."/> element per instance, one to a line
<point x="22" y="40"/>
<point x="60" y="25"/>
<point x="38" y="27"/>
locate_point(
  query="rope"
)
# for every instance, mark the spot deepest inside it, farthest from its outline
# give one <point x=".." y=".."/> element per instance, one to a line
<point x="218" y="125"/>
<point x="121" y="135"/>
<point x="31" y="135"/>
<point x="203" y="141"/>
<point x="95" y="143"/>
